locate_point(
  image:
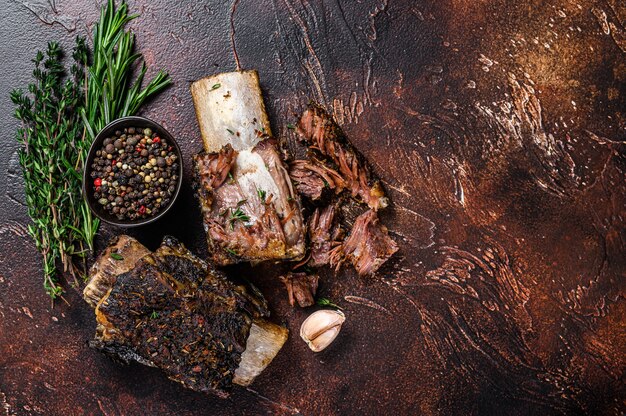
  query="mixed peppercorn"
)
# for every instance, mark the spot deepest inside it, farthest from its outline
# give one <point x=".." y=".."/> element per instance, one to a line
<point x="134" y="174"/>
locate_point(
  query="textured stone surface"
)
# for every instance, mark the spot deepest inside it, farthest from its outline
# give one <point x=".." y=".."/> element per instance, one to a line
<point x="498" y="128"/>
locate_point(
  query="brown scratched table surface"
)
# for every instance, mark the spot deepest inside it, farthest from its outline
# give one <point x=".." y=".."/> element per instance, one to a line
<point x="498" y="128"/>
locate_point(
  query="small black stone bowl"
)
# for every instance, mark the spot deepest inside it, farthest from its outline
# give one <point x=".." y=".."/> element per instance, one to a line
<point x="108" y="131"/>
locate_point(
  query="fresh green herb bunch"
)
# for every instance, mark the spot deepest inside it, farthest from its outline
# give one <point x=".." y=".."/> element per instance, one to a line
<point x="60" y="119"/>
<point x="52" y="135"/>
<point x="111" y="94"/>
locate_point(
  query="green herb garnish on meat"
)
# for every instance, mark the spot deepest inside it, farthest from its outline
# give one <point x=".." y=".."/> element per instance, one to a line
<point x="237" y="215"/>
<point x="262" y="194"/>
<point x="231" y="251"/>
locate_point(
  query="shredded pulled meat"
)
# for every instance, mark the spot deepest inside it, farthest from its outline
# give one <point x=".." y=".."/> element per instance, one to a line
<point x="216" y="165"/>
<point x="368" y="246"/>
<point x="322" y="134"/>
<point x="313" y="177"/>
<point x="249" y="214"/>
<point x="324" y="235"/>
<point x="333" y="164"/>
<point x="301" y="288"/>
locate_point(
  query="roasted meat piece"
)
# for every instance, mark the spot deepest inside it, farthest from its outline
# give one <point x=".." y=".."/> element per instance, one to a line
<point x="249" y="206"/>
<point x="322" y="134"/>
<point x="244" y="221"/>
<point x="119" y="257"/>
<point x="368" y="246"/>
<point x="173" y="311"/>
<point x="333" y="164"/>
<point x="325" y="233"/>
<point x="313" y="177"/>
<point x="301" y="288"/>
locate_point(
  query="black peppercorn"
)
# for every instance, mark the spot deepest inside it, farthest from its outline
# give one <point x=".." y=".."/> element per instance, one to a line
<point x="125" y="193"/>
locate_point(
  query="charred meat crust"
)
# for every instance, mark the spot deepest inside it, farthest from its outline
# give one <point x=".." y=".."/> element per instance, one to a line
<point x="322" y="134"/>
<point x="245" y="224"/>
<point x="301" y="288"/>
<point x="368" y="246"/>
<point x="106" y="268"/>
<point x="175" y="312"/>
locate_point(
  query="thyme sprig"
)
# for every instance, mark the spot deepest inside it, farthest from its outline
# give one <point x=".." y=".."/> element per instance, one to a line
<point x="52" y="136"/>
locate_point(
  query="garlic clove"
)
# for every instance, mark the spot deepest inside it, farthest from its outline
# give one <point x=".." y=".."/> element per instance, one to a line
<point x="324" y="340"/>
<point x="321" y="328"/>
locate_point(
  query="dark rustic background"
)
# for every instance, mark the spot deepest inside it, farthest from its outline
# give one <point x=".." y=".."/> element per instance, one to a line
<point x="498" y="128"/>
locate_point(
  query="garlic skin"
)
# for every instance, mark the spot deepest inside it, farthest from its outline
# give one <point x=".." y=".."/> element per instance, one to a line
<point x="321" y="328"/>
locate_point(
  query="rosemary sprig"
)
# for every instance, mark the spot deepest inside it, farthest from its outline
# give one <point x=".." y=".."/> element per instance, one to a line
<point x="52" y="135"/>
<point x="110" y="92"/>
